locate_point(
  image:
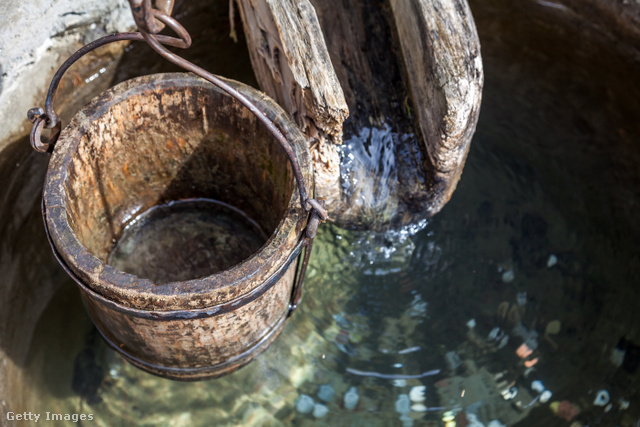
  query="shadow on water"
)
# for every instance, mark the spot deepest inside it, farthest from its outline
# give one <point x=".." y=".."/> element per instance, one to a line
<point x="542" y="228"/>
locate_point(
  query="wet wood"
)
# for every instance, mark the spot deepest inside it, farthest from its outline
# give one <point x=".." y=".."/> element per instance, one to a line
<point x="412" y="67"/>
<point x="387" y="181"/>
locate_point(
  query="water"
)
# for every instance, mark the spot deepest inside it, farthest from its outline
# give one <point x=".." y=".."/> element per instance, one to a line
<point x="185" y="240"/>
<point x="552" y="175"/>
<point x="376" y="184"/>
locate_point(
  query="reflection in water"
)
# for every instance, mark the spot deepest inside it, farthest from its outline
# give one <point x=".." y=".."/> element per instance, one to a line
<point x="516" y="305"/>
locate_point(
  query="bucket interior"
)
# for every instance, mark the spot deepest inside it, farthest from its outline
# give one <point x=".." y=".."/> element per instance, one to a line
<point x="175" y="181"/>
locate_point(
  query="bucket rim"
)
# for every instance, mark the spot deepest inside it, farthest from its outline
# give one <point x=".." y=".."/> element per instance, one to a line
<point x="129" y="290"/>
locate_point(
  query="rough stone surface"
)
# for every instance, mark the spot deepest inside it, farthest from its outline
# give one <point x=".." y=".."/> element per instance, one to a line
<point x="33" y="36"/>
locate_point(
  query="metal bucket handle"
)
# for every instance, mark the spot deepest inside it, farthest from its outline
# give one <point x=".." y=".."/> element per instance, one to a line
<point x="48" y="118"/>
<point x="150" y="22"/>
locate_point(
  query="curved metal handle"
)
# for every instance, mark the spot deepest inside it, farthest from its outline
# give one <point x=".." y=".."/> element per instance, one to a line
<point x="145" y="20"/>
<point x="47" y="118"/>
<point x="151" y="21"/>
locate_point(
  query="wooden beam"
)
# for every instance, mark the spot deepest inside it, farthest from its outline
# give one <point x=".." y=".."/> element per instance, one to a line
<point x="410" y="68"/>
<point x="292" y="65"/>
<point x="441" y="53"/>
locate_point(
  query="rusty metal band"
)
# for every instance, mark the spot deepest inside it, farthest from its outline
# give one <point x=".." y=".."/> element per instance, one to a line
<point x="251" y="352"/>
<point x="301" y="268"/>
<point x="197" y="313"/>
<point x="301" y="271"/>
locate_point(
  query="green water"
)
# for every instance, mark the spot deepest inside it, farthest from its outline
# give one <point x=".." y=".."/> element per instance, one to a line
<point x="542" y="228"/>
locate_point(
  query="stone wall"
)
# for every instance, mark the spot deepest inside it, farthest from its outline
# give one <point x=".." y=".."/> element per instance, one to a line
<point x="33" y="36"/>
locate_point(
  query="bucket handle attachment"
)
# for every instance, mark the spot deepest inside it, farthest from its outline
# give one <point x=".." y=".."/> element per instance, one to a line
<point x="150" y="21"/>
<point x="47" y="118"/>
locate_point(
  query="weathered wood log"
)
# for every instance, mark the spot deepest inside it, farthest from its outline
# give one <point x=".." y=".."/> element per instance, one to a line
<point x="441" y="51"/>
<point x="384" y="180"/>
<point x="292" y="65"/>
<point x="395" y="182"/>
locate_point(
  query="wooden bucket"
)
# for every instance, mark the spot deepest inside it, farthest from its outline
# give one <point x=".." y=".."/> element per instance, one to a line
<point x="165" y="140"/>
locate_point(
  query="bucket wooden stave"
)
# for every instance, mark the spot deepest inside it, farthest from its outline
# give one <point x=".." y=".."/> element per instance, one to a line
<point x="159" y="139"/>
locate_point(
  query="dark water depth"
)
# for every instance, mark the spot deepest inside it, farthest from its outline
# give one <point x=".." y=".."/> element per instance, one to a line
<point x="185" y="240"/>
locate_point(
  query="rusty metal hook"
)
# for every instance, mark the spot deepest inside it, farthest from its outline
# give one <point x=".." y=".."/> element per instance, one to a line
<point x="49" y="117"/>
<point x="39" y="120"/>
<point x="143" y="14"/>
